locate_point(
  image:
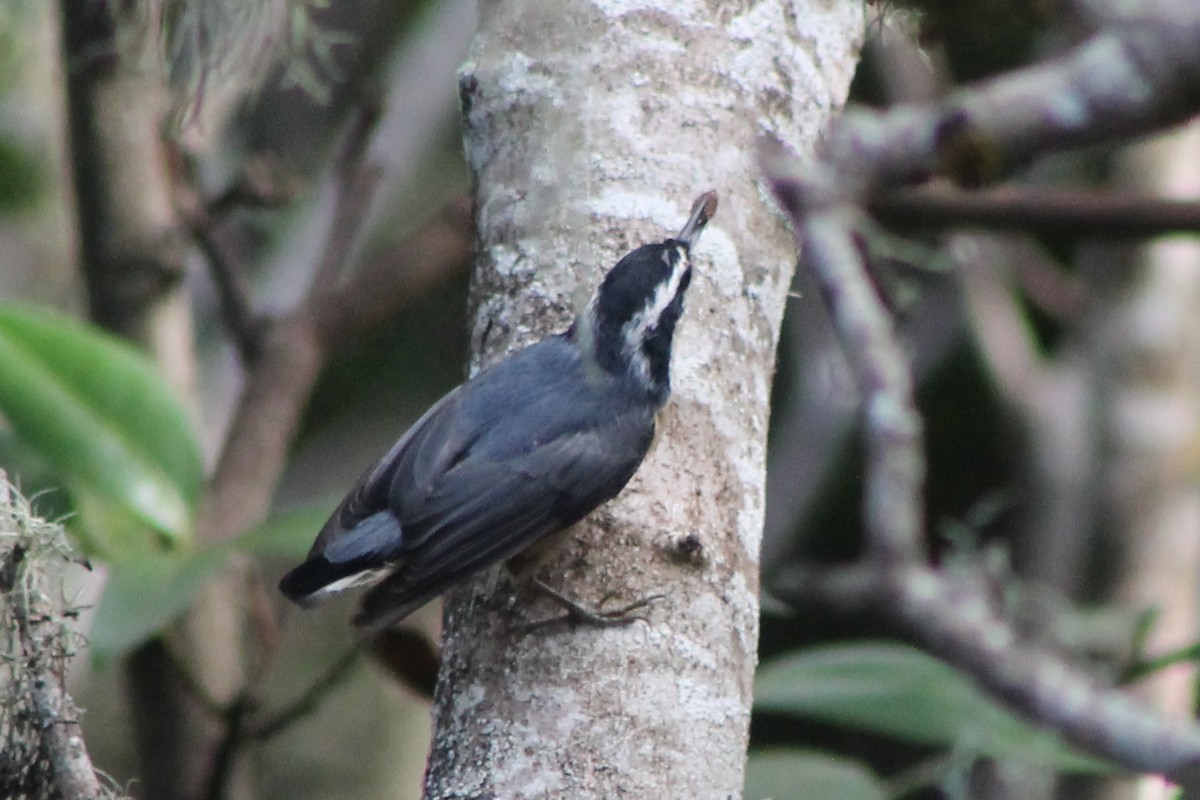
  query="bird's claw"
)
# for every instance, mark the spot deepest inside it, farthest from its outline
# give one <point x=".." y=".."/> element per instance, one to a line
<point x="578" y="614"/>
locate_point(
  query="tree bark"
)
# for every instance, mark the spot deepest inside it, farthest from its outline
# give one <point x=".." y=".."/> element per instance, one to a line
<point x="590" y="129"/>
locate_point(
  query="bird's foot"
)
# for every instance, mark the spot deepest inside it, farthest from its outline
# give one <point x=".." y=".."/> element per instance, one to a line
<point x="578" y="614"/>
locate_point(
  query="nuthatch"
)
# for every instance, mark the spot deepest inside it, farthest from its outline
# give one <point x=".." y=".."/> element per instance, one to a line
<point x="520" y="452"/>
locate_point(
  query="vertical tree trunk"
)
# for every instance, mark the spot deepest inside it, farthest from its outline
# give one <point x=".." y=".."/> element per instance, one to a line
<point x="590" y="129"/>
<point x="132" y="255"/>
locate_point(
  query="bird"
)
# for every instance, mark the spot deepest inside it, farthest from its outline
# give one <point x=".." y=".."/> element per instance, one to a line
<point x="515" y="455"/>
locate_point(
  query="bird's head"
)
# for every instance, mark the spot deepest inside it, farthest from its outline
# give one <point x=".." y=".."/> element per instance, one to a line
<point x="630" y="323"/>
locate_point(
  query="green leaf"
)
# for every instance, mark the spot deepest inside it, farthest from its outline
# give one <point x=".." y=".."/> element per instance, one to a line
<point x="146" y="590"/>
<point x="101" y="415"/>
<point x="795" y="774"/>
<point x="22" y="178"/>
<point x="898" y="691"/>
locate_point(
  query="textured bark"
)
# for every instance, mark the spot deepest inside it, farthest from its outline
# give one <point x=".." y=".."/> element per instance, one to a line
<point x="590" y="129"/>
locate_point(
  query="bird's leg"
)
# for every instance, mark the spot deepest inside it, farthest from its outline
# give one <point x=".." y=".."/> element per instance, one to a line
<point x="578" y="614"/>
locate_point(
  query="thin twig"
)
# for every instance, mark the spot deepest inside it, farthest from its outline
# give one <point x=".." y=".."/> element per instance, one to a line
<point x="191" y="685"/>
<point x="1142" y="667"/>
<point x="354" y="186"/>
<point x="308" y="701"/>
<point x="230" y="745"/>
<point x="257" y="186"/>
<point x="233" y="290"/>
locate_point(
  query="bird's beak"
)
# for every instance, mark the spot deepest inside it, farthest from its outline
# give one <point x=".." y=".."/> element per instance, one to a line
<point x="702" y="211"/>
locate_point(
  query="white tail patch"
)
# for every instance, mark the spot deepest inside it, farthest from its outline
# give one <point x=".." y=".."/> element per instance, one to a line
<point x="367" y="577"/>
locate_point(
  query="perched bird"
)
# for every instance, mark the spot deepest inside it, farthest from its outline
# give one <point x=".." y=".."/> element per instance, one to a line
<point x="520" y="452"/>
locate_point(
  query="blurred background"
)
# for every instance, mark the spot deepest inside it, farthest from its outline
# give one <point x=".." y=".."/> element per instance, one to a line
<point x="1058" y="373"/>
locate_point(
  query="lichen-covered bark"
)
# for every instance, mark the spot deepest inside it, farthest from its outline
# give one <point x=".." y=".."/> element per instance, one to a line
<point x="591" y="126"/>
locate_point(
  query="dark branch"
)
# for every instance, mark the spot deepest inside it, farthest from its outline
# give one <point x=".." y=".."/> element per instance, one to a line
<point x="257" y="186"/>
<point x="355" y="182"/>
<point x="233" y="291"/>
<point x="308" y="701"/>
<point x="227" y="750"/>
<point x="1072" y="214"/>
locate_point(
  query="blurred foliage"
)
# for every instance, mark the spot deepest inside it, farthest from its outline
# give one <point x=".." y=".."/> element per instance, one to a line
<point x="100" y="414"/>
<point x="294" y="118"/>
<point x="211" y="45"/>
<point x="147" y="590"/>
<point x="780" y="773"/>
<point x="86" y="423"/>
<point x="22" y="178"/>
<point x="14" y="18"/>
<point x="897" y="691"/>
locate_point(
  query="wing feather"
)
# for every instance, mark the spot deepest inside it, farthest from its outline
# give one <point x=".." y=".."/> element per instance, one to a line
<point x="479" y="477"/>
<point x="484" y="513"/>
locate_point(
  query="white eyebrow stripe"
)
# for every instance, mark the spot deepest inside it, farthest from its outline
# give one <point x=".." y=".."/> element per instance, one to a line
<point x="634" y="331"/>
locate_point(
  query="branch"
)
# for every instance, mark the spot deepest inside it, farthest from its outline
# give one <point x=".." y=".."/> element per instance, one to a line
<point x="1128" y="79"/>
<point x="895" y="462"/>
<point x="233" y="291"/>
<point x="43" y="753"/>
<point x="294" y="349"/>
<point x="308" y="701"/>
<point x="257" y="186"/>
<point x="355" y="181"/>
<point x="1072" y="214"/>
<point x="957" y="622"/>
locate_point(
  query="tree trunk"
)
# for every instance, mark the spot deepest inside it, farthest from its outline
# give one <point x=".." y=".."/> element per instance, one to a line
<point x="132" y="256"/>
<point x="590" y="130"/>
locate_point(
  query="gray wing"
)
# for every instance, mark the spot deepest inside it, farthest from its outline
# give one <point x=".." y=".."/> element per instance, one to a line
<point x="483" y="512"/>
<point x="364" y="536"/>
